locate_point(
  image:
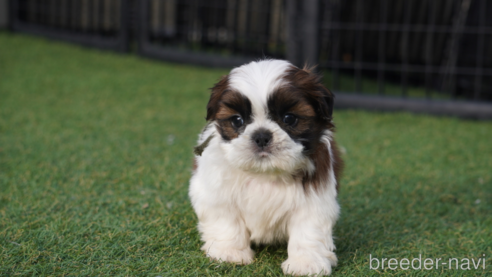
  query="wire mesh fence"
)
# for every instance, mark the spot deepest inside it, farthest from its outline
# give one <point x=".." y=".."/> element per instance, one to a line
<point x="417" y="48"/>
<point x="409" y="49"/>
<point x="240" y="27"/>
<point x="222" y="32"/>
<point x="99" y="23"/>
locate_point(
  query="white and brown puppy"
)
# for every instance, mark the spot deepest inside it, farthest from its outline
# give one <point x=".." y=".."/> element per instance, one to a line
<point x="266" y="167"/>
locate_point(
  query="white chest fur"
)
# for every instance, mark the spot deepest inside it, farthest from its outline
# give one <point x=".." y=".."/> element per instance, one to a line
<point x="264" y="203"/>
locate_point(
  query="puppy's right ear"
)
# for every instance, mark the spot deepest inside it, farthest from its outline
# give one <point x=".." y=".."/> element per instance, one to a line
<point x="217" y="91"/>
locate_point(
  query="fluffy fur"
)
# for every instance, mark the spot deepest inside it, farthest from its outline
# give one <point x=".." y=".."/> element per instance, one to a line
<point x="244" y="192"/>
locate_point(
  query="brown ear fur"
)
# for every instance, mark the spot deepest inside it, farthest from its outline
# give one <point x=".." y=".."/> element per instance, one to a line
<point x="217" y="91"/>
<point x="322" y="100"/>
<point x="310" y="82"/>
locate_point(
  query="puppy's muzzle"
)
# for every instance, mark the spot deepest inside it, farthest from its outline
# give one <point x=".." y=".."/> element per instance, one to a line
<point x="262" y="138"/>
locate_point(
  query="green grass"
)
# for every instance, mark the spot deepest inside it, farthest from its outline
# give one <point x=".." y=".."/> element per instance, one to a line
<point x="96" y="152"/>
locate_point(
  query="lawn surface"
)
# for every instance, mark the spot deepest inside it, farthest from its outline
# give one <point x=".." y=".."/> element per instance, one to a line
<point x="96" y="153"/>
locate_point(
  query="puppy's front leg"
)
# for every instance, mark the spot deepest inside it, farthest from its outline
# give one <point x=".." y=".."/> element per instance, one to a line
<point x="226" y="239"/>
<point x="310" y="246"/>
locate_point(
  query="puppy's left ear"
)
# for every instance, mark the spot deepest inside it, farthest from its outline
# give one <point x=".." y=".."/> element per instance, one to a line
<point x="324" y="97"/>
<point x="328" y="98"/>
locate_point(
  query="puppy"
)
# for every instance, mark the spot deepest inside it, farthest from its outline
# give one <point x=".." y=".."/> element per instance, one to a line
<point x="266" y="167"/>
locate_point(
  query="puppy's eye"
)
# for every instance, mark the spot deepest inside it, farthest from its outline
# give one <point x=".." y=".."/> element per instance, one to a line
<point x="290" y="119"/>
<point x="237" y="121"/>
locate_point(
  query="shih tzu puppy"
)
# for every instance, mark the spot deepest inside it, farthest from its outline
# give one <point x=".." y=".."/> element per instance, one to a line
<point x="266" y="167"/>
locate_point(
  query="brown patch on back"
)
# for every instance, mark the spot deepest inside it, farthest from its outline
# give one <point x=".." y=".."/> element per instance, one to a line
<point x="322" y="160"/>
<point x="338" y="163"/>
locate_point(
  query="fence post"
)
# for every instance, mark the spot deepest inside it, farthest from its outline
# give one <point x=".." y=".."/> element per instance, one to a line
<point x="4" y="15"/>
<point x="303" y="32"/>
<point x="142" y="14"/>
<point x="293" y="47"/>
<point x="310" y="32"/>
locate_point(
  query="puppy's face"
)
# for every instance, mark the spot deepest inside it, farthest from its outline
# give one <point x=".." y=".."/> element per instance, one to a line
<point x="271" y="116"/>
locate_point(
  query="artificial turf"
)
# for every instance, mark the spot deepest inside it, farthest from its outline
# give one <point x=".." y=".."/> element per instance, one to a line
<point x="96" y="153"/>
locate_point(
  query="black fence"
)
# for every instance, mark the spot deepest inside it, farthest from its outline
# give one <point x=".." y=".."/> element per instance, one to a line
<point x="442" y="47"/>
<point x="97" y="23"/>
<point x="214" y="32"/>
<point x="417" y="55"/>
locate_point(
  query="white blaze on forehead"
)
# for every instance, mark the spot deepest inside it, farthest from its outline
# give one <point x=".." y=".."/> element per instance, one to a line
<point x="256" y="80"/>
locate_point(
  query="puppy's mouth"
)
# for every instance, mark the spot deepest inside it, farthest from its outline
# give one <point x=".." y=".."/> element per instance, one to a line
<point x="264" y="153"/>
<point x="268" y="151"/>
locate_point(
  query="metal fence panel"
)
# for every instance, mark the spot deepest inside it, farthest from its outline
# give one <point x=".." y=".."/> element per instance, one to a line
<point x="97" y="23"/>
<point x="213" y="33"/>
<point x="435" y="49"/>
<point x="4" y="15"/>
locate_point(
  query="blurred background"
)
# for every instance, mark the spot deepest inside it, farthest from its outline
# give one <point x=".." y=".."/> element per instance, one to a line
<point x="432" y="56"/>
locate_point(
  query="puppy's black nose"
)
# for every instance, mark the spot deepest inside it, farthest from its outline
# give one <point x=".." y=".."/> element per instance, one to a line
<point x="262" y="137"/>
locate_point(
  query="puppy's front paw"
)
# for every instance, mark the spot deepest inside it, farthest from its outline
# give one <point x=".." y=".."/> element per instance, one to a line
<point x="230" y="255"/>
<point x="300" y="266"/>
